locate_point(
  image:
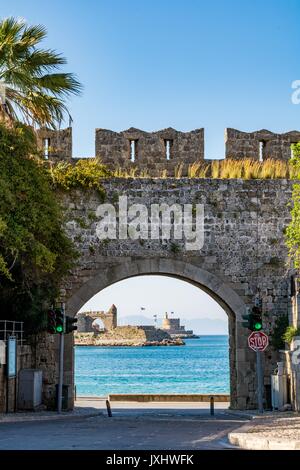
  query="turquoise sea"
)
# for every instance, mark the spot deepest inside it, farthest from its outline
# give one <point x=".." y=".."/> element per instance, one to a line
<point x="201" y="366"/>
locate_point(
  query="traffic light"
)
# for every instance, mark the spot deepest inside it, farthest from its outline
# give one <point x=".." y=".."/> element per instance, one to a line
<point x="249" y="320"/>
<point x="59" y="320"/>
<point x="256" y="318"/>
<point x="51" y="321"/>
<point x="253" y="317"/>
<point x="70" y="324"/>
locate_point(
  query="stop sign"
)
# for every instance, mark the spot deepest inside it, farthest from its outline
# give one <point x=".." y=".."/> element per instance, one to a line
<point x="258" y="341"/>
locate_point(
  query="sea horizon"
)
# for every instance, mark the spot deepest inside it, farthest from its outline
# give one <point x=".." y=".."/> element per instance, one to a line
<point x="200" y="366"/>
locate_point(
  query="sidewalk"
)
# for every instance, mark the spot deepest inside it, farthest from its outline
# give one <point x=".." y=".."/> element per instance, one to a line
<point x="24" y="416"/>
<point x="277" y="431"/>
<point x="95" y="406"/>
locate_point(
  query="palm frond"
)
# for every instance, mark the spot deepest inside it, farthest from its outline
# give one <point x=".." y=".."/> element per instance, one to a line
<point x="33" y="35"/>
<point x="59" y="83"/>
<point x="35" y="90"/>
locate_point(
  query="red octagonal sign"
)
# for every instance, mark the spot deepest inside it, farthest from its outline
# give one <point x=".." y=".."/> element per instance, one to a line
<point x="258" y="341"/>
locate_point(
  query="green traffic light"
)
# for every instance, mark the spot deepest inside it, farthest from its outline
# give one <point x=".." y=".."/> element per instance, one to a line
<point x="257" y="326"/>
<point x="59" y="329"/>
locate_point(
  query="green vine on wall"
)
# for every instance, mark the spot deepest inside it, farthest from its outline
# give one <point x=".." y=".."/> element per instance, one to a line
<point x="277" y="335"/>
<point x="84" y="174"/>
<point x="293" y="230"/>
<point x="35" y="252"/>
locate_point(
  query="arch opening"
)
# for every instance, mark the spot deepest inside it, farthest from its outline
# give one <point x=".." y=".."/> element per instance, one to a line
<point x="151" y="310"/>
<point x="217" y="289"/>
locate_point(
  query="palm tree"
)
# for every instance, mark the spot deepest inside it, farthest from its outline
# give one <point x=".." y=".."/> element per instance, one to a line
<point x="32" y="89"/>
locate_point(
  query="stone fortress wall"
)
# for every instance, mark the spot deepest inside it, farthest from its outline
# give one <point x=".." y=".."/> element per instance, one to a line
<point x="259" y="145"/>
<point x="167" y="149"/>
<point x="89" y="333"/>
<point x="56" y="144"/>
<point x="85" y="320"/>
<point x="173" y="327"/>
<point x="150" y="151"/>
<point x="244" y="248"/>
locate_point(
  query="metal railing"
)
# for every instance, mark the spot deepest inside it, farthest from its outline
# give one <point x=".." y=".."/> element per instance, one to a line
<point x="12" y="328"/>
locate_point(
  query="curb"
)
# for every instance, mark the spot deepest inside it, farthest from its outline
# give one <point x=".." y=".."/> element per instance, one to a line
<point x="243" y="439"/>
<point x="55" y="417"/>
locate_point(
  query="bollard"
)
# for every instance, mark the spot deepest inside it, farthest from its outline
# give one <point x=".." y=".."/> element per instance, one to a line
<point x="212" y="406"/>
<point x="108" y="409"/>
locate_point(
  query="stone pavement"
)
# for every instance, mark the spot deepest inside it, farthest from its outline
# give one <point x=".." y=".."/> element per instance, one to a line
<point x="275" y="431"/>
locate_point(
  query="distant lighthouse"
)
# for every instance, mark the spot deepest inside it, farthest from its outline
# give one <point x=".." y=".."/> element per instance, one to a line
<point x="175" y="330"/>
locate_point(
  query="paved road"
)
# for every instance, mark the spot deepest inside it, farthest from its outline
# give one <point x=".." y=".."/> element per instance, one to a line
<point x="162" y="431"/>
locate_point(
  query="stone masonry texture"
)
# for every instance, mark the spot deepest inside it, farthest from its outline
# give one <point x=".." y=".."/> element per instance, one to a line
<point x="150" y="148"/>
<point x="243" y="253"/>
<point x="184" y="148"/>
<point x="59" y="142"/>
<point x="85" y="320"/>
<point x="240" y="145"/>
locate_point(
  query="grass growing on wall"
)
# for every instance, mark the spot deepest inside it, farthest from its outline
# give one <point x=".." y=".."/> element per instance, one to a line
<point x="250" y="169"/>
<point x="221" y="169"/>
<point x="87" y="173"/>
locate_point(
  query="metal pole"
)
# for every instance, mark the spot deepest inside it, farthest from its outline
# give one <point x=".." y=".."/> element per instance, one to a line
<point x="259" y="373"/>
<point x="108" y="409"/>
<point x="61" y="365"/>
<point x="7" y="377"/>
<point x="212" y="406"/>
<point x="16" y="377"/>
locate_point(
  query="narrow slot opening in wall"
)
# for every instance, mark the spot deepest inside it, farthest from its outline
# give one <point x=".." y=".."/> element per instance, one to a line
<point x="262" y="146"/>
<point x="168" y="147"/>
<point x="46" y="144"/>
<point x="133" y="150"/>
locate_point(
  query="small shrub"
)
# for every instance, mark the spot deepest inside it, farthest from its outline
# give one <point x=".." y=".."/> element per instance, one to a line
<point x="274" y="261"/>
<point x="174" y="247"/>
<point x="85" y="174"/>
<point x="92" y="249"/>
<point x="115" y="198"/>
<point x="92" y="216"/>
<point x="290" y="333"/>
<point x="276" y="338"/>
<point x="80" y="222"/>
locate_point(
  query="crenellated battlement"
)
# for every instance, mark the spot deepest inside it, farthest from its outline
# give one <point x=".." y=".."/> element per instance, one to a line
<point x="167" y="149"/>
<point x="151" y="151"/>
<point x="259" y="145"/>
<point x="56" y="144"/>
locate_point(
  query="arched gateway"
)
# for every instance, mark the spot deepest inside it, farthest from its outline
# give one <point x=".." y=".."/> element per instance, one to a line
<point x="208" y="282"/>
<point x="242" y="254"/>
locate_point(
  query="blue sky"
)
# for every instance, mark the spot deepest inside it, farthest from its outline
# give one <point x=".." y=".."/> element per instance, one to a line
<point x="187" y="64"/>
<point x="158" y="295"/>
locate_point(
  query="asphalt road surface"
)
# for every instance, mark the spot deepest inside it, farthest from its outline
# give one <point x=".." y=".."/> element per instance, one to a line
<point x="126" y="430"/>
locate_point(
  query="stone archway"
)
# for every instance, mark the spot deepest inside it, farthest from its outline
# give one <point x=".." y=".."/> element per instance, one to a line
<point x="219" y="290"/>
